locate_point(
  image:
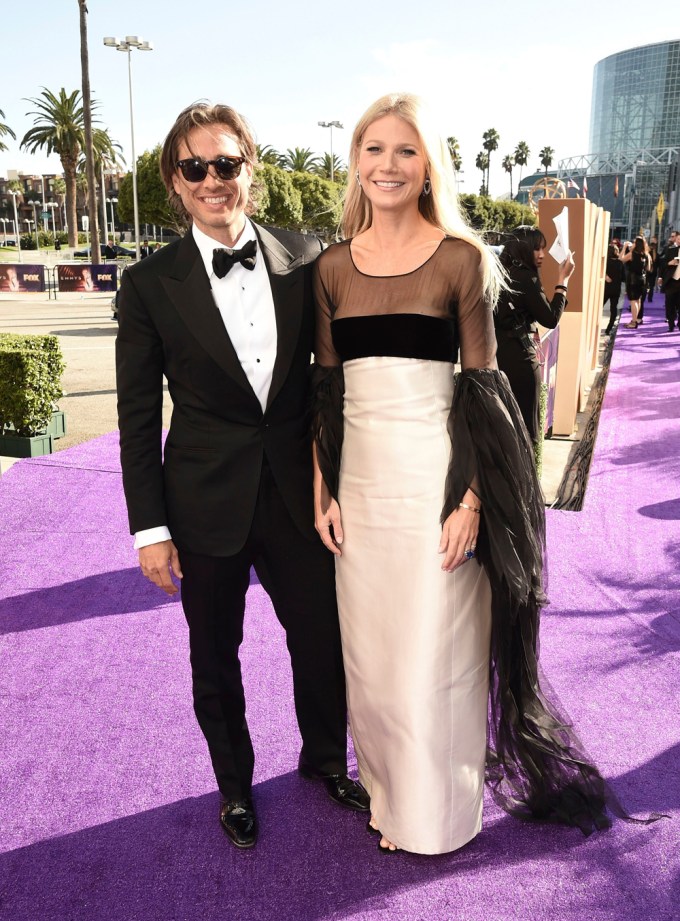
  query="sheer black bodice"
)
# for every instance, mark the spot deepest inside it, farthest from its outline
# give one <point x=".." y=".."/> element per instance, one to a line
<point x="447" y="287"/>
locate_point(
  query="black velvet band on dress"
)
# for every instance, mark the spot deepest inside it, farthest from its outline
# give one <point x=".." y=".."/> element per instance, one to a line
<point x="534" y="767"/>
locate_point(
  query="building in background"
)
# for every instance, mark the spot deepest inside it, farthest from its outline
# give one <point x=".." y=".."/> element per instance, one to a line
<point x="635" y="141"/>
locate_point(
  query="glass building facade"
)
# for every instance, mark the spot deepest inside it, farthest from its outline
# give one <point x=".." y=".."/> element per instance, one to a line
<point x="634" y="139"/>
<point x="636" y="99"/>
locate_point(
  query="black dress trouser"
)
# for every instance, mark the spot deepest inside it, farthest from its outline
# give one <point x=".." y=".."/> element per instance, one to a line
<point x="299" y="576"/>
<point x="673" y="305"/>
<point x="612" y="293"/>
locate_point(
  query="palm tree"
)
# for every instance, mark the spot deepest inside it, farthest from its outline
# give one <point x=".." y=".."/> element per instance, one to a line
<point x="508" y="163"/>
<point x="521" y="156"/>
<point x="268" y="154"/>
<point x="454" y="150"/>
<point x="59" y="128"/>
<point x="327" y="169"/>
<point x="59" y="189"/>
<point x="300" y="160"/>
<point x="482" y="163"/>
<point x="491" y="139"/>
<point x="95" y="255"/>
<point x="546" y="155"/>
<point x="5" y="130"/>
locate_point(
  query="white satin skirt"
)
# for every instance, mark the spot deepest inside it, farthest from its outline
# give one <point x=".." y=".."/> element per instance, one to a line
<point x="415" y="639"/>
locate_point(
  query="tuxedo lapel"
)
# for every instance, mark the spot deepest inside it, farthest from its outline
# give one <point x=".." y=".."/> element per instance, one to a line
<point x="288" y="294"/>
<point x="188" y="288"/>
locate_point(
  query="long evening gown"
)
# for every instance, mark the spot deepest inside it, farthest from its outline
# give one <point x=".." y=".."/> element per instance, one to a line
<point x="395" y="443"/>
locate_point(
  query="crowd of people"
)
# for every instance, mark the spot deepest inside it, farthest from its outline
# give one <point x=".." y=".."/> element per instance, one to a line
<point x="402" y="539"/>
<point x="644" y="269"/>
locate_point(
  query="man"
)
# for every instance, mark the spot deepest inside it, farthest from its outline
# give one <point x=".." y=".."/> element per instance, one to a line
<point x="144" y="249"/>
<point x="669" y="280"/>
<point x="232" y="333"/>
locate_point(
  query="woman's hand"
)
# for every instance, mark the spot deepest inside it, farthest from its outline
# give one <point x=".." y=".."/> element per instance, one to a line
<point x="329" y="526"/>
<point x="459" y="533"/>
<point x="566" y="269"/>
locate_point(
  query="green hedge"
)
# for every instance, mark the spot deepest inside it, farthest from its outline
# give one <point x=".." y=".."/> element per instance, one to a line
<point x="30" y="381"/>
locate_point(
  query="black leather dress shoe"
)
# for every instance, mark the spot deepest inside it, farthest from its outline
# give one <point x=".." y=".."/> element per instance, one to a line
<point x="341" y="788"/>
<point x="237" y="818"/>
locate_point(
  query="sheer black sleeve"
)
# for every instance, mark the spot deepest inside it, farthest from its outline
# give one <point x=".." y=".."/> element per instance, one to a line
<point x="327" y="386"/>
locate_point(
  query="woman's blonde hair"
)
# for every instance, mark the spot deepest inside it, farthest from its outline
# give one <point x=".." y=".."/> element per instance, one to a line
<point x="440" y="208"/>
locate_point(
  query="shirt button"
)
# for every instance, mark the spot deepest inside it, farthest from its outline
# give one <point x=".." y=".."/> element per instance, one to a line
<point x="257" y="360"/>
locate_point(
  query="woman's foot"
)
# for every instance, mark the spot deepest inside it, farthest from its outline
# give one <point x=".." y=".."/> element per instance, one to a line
<point x="632" y="325"/>
<point x="385" y="846"/>
<point x="372" y="827"/>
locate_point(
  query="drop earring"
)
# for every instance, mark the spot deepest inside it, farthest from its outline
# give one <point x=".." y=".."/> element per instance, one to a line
<point x="357" y="178"/>
<point x="427" y="187"/>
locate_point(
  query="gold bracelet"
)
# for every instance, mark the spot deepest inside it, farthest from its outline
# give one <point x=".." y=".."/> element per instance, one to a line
<point x="470" y="508"/>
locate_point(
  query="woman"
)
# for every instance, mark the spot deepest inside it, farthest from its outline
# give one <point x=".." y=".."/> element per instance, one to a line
<point x="399" y="450"/>
<point x="521" y="307"/>
<point x="612" y="285"/>
<point x="636" y="256"/>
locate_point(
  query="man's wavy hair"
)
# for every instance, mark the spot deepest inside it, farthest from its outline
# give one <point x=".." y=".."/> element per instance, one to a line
<point x="205" y="115"/>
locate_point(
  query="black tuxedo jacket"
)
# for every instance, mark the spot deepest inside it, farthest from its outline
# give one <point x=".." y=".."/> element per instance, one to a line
<point x="205" y="486"/>
<point x="668" y="284"/>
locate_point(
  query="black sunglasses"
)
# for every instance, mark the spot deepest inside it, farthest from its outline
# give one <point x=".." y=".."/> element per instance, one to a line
<point x="195" y="169"/>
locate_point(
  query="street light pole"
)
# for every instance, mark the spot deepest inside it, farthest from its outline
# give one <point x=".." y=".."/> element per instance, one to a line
<point x="35" y="220"/>
<point x="105" y="233"/>
<point x="130" y="42"/>
<point x="16" y="222"/>
<point x="52" y="205"/>
<point x="331" y="125"/>
<point x="44" y="203"/>
<point x="112" y="202"/>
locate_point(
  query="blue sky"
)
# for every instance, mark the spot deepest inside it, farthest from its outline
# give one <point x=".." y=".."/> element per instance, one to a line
<point x="524" y="68"/>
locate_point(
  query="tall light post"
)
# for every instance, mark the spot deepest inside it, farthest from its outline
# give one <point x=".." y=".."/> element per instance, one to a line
<point x="52" y="206"/>
<point x="35" y="205"/>
<point x="112" y="202"/>
<point x="130" y="42"/>
<point x="44" y="203"/>
<point x="16" y="221"/>
<point x="331" y="125"/>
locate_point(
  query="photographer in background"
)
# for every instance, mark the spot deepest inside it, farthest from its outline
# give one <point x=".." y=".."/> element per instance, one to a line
<point x="612" y="285"/>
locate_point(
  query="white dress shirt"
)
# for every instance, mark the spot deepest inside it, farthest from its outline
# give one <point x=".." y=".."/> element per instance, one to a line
<point x="244" y="300"/>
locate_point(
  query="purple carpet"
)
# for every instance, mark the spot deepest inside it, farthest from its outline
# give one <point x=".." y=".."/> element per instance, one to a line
<point x="107" y="802"/>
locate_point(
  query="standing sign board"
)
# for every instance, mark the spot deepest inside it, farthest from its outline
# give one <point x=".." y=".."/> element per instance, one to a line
<point x="21" y="277"/>
<point x="87" y="278"/>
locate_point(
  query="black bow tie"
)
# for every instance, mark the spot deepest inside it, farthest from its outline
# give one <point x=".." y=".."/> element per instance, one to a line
<point x="224" y="259"/>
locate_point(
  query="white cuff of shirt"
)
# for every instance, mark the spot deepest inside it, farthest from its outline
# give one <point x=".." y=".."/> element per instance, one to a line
<point x="151" y="536"/>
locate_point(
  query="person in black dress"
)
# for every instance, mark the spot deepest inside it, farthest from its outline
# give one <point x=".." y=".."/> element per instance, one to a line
<point x="612" y="285"/>
<point x="520" y="309"/>
<point x="636" y="256"/>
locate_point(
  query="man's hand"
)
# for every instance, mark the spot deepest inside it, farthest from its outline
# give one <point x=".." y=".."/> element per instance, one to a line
<point x="160" y="561"/>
